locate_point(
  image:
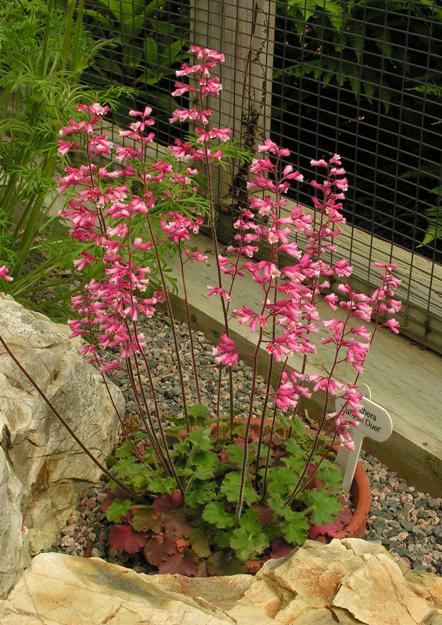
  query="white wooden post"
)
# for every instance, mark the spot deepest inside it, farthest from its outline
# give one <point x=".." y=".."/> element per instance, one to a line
<point x="244" y="31"/>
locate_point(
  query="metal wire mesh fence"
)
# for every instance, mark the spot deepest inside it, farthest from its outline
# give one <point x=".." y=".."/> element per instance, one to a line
<point x="357" y="77"/>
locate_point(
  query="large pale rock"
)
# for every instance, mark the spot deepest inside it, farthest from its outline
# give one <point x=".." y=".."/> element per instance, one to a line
<point x="66" y="590"/>
<point x="42" y="470"/>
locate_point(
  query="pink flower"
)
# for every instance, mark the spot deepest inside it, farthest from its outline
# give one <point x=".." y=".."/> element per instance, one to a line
<point x="197" y="255"/>
<point x="286" y="396"/>
<point x="226" y="353"/>
<point x="181" y="88"/>
<point x="215" y="290"/>
<point x="248" y="316"/>
<point x="207" y="54"/>
<point x="65" y="146"/>
<point x="393" y="325"/>
<point x="4" y="274"/>
<point x="177" y="227"/>
<point x="210" y="86"/>
<point x="82" y="262"/>
<point x="139" y="245"/>
<point x="147" y="111"/>
<point x="343" y="268"/>
<point x="319" y="163"/>
<point x="96" y="109"/>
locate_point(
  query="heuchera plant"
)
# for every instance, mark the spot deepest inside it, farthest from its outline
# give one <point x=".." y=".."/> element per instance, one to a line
<point x="218" y="489"/>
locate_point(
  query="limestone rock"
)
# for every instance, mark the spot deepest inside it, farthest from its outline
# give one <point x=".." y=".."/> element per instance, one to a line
<point x="42" y="470"/>
<point x="65" y="590"/>
<point x="377" y="593"/>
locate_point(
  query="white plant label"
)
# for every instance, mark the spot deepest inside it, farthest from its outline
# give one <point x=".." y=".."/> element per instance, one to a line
<point x="375" y="423"/>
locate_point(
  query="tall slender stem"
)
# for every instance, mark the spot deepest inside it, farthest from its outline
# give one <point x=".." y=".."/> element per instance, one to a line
<point x="212" y="226"/>
<point x="189" y="325"/>
<point x="250" y="414"/>
<point x="294" y="492"/>
<point x="63" y="421"/>
<point x="165" y="290"/>
<point x="171" y="318"/>
<point x="150" y="435"/>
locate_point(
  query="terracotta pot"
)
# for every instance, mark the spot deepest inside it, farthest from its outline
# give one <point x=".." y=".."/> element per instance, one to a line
<point x="360" y="492"/>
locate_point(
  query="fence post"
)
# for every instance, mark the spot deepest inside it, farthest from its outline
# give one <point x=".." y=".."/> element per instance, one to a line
<point x="244" y="31"/>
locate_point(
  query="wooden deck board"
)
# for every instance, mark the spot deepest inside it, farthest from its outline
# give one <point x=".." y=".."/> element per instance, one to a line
<point x="404" y="377"/>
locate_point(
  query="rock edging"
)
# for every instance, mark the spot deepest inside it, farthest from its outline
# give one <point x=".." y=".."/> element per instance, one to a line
<point x="42" y="470"/>
<point x="349" y="581"/>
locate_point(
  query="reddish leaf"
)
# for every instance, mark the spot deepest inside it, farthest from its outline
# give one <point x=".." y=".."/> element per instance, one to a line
<point x="185" y="563"/>
<point x="107" y="502"/>
<point x="160" y="547"/>
<point x="253" y="566"/>
<point x="124" y="538"/>
<point x="223" y="456"/>
<point x="265" y="514"/>
<point x="181" y="544"/>
<point x="332" y="529"/>
<point x="144" y="520"/>
<point x="314" y="482"/>
<point x="280" y="548"/>
<point x="167" y="503"/>
<point x="175" y="523"/>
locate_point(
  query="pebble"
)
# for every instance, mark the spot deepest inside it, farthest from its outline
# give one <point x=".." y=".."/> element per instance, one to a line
<point x="402" y="519"/>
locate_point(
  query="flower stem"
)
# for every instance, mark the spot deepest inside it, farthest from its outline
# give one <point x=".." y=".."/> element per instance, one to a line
<point x="189" y="326"/>
<point x="64" y="422"/>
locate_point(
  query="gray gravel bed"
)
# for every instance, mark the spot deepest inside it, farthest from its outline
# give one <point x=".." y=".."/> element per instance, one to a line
<point x="404" y="520"/>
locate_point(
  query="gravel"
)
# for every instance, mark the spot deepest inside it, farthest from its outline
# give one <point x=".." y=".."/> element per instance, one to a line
<point x="402" y="519"/>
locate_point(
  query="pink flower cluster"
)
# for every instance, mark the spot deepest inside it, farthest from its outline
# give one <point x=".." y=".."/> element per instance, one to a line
<point x="106" y="213"/>
<point x="291" y="293"/>
<point x="4" y="274"/>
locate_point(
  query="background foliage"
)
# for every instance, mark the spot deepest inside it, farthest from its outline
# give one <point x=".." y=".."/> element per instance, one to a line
<point x="43" y="54"/>
<point x="364" y="78"/>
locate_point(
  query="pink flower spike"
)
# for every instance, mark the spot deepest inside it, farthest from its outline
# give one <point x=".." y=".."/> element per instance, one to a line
<point x="4" y="274"/>
<point x="226" y="353"/>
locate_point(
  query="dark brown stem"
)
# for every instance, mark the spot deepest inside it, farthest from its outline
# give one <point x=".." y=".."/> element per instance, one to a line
<point x="189" y="326"/>
<point x="250" y="415"/>
<point x="171" y="319"/>
<point x="212" y="226"/>
<point x="140" y="412"/>
<point x="165" y="456"/>
<point x="294" y="492"/>
<point x="272" y="430"/>
<point x="64" y="423"/>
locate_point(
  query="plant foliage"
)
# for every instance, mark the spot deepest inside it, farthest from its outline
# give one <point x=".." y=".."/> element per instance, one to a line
<point x="184" y="535"/>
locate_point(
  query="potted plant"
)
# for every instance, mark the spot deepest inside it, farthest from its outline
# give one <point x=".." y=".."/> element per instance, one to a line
<point x="217" y="491"/>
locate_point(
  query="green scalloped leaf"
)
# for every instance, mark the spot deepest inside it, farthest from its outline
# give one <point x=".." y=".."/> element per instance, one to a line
<point x="215" y="514"/>
<point x="118" y="509"/>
